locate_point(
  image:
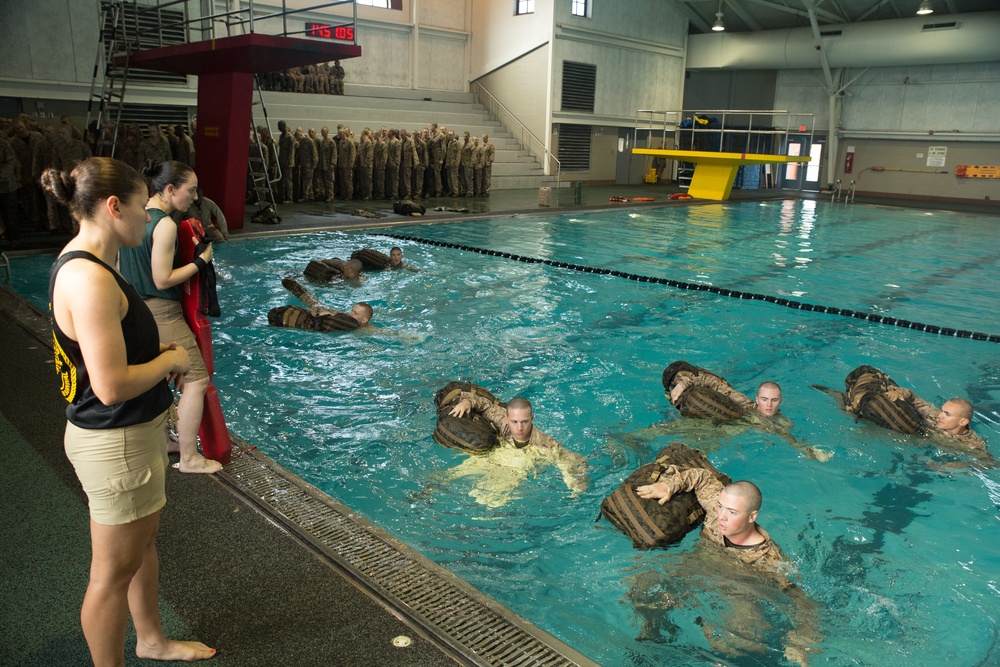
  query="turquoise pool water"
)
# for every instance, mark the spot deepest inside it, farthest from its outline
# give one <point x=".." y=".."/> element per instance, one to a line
<point x="901" y="558"/>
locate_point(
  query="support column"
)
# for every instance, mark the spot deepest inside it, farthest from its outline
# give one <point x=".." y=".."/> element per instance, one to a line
<point x="223" y="140"/>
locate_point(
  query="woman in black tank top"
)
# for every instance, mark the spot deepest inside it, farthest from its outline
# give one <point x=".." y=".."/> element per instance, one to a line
<point x="115" y="380"/>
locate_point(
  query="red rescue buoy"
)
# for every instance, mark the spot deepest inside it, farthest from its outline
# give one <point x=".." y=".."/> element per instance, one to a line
<point x="213" y="433"/>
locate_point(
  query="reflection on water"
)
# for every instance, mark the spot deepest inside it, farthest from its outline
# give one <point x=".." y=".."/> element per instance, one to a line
<point x="886" y="547"/>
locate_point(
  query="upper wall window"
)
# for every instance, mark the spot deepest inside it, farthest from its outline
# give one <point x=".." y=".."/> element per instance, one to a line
<point x="581" y="8"/>
<point x="524" y="7"/>
<point x="384" y="4"/>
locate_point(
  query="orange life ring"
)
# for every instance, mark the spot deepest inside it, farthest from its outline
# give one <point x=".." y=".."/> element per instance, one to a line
<point x="680" y="195"/>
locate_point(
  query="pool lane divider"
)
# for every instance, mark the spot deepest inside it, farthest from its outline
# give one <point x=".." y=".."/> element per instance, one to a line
<point x="735" y="294"/>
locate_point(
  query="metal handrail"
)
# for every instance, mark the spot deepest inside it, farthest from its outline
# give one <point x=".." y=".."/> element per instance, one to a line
<point x="524" y="130"/>
<point x="851" y="191"/>
<point x="835" y="195"/>
<point x="247" y="16"/>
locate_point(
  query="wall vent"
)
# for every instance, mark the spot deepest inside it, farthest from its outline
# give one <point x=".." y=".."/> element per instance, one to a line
<point x="831" y="33"/>
<point x="950" y="25"/>
<point x="579" y="81"/>
<point x="574" y="147"/>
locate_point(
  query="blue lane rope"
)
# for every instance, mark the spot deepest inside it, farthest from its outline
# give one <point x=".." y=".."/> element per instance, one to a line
<point x="735" y="294"/>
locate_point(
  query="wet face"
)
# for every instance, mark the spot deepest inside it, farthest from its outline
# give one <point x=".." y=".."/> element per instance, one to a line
<point x="952" y="418"/>
<point x="735" y="517"/>
<point x="396" y="257"/>
<point x="768" y="400"/>
<point x="520" y="420"/>
<point x="359" y="313"/>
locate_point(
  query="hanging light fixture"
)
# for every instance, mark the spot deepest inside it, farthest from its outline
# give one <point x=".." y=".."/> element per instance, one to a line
<point x="925" y="8"/>
<point x="718" y="26"/>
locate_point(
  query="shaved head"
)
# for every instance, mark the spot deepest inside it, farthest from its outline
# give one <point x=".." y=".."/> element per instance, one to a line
<point x="747" y="490"/>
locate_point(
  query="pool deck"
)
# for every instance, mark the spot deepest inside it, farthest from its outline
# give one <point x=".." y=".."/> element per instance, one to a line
<point x="231" y="575"/>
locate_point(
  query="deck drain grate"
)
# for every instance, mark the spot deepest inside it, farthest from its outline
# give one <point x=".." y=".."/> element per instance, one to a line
<point x="476" y="628"/>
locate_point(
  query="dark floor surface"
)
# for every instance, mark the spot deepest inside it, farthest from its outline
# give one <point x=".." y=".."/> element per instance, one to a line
<point x="229" y="576"/>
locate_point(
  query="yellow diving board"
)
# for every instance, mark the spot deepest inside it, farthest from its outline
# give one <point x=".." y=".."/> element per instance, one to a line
<point x="715" y="173"/>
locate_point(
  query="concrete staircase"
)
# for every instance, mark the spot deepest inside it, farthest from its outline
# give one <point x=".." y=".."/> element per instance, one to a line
<point x="374" y="107"/>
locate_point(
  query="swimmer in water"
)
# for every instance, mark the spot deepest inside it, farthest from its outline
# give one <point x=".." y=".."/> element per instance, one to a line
<point x="947" y="426"/>
<point x="730" y="529"/>
<point x="361" y="312"/>
<point x="396" y="260"/>
<point x="522" y="449"/>
<point x="763" y="414"/>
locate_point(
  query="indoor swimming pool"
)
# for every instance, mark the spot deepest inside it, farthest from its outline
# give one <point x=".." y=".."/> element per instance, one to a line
<point x="899" y="554"/>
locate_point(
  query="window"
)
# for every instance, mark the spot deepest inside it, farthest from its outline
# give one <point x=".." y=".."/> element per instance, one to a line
<point x="384" y="4"/>
<point x="524" y="7"/>
<point x="581" y="8"/>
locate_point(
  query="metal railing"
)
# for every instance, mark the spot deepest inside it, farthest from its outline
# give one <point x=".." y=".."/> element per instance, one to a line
<point x="504" y="116"/>
<point x="256" y="17"/>
<point x="751" y="131"/>
<point x="835" y="195"/>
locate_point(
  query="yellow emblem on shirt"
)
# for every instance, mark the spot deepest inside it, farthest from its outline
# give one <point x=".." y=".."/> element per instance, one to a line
<point x="65" y="369"/>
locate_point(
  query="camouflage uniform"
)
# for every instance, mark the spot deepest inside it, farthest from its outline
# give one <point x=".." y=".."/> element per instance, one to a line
<point x="407" y="162"/>
<point x="453" y="159"/>
<point x="348" y="154"/>
<point x="155" y="153"/>
<point x="327" y="164"/>
<point x="306" y="158"/>
<point x="420" y="164"/>
<point x="286" y="158"/>
<point x="29" y="194"/>
<point x="337" y="79"/>
<point x="968" y="441"/>
<point x="10" y="181"/>
<point x="765" y="557"/>
<point x="366" y="158"/>
<point x="381" y="152"/>
<point x="466" y="187"/>
<point x="489" y="153"/>
<point x="67" y="154"/>
<point x="437" y="148"/>
<point x="395" y="156"/>
<point x="477" y="168"/>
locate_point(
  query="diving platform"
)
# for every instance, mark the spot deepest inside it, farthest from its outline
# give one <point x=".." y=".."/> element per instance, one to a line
<point x="715" y="173"/>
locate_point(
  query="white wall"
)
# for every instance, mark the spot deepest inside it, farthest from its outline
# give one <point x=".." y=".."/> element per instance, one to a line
<point x="915" y="98"/>
<point x="499" y="37"/>
<point x="520" y="86"/>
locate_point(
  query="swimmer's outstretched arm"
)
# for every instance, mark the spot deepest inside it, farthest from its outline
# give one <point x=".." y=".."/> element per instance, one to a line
<point x="573" y="467"/>
<point x="307" y="299"/>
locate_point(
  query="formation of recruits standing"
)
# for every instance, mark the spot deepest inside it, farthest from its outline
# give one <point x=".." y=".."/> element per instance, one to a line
<point x="28" y="148"/>
<point x="380" y="164"/>
<point x="322" y="78"/>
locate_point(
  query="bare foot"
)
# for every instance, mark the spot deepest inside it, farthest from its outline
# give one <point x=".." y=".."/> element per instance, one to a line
<point x="175" y="650"/>
<point x="199" y="464"/>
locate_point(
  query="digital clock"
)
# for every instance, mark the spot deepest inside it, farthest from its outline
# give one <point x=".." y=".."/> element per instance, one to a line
<point x="327" y="31"/>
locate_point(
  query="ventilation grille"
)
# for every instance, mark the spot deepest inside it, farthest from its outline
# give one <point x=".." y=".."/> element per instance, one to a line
<point x="574" y="147"/>
<point x="156" y="28"/>
<point x="155" y="113"/>
<point x="578" y="85"/>
<point x="950" y="25"/>
<point x="470" y="624"/>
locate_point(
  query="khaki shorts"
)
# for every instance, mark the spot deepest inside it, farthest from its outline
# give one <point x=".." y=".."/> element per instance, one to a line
<point x="122" y="470"/>
<point x="173" y="329"/>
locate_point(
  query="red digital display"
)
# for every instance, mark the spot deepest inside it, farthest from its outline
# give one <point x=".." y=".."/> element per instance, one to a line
<point x="327" y="31"/>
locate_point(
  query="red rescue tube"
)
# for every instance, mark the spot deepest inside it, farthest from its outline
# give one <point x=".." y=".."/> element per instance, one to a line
<point x="212" y="431"/>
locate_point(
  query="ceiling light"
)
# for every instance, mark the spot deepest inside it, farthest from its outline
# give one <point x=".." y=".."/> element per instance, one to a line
<point x="925" y="8"/>
<point x="718" y="26"/>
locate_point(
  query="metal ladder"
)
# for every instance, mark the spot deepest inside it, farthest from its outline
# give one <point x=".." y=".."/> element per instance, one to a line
<point x="110" y="99"/>
<point x="260" y="184"/>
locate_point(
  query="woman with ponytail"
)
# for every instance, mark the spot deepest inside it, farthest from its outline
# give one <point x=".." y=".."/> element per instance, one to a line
<point x="115" y="376"/>
<point x="153" y="268"/>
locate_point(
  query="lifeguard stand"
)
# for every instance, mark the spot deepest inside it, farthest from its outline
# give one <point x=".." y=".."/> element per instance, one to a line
<point x="226" y="50"/>
<point x="718" y="148"/>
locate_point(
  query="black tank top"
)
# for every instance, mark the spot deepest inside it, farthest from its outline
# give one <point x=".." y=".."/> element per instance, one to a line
<point x="142" y="344"/>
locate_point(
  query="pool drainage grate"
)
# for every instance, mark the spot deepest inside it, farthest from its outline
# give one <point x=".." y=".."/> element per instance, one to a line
<point x="473" y="628"/>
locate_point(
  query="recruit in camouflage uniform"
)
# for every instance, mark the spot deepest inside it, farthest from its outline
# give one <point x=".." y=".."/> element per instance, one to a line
<point x="395" y="156"/>
<point x="286" y="158"/>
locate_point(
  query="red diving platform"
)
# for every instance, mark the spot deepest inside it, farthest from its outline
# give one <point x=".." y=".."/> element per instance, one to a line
<point x="225" y="68"/>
